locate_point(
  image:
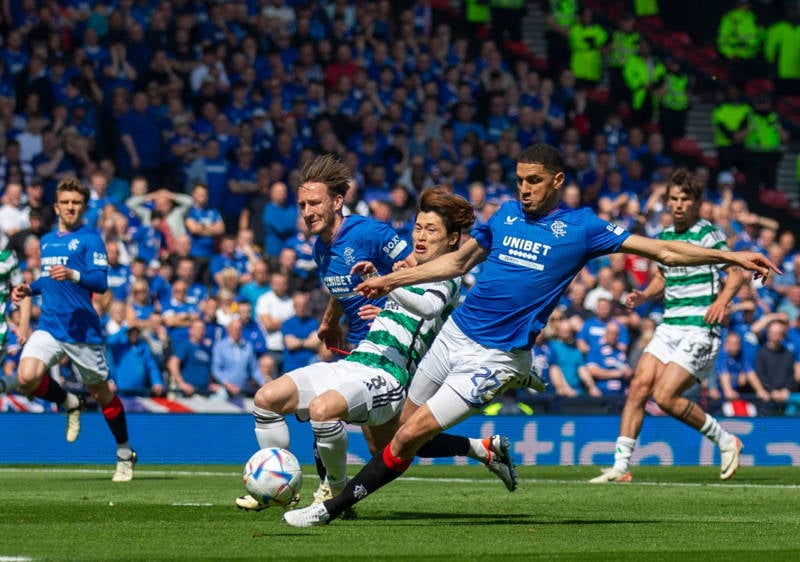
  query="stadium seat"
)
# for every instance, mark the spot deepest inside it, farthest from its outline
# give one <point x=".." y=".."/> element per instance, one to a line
<point x="774" y="198"/>
<point x="687" y="147"/>
<point x="599" y="96"/>
<point x="758" y="86"/>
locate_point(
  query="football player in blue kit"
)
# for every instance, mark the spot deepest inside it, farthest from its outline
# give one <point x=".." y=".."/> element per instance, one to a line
<point x="74" y="266"/>
<point x="532" y="249"/>
<point x="342" y="242"/>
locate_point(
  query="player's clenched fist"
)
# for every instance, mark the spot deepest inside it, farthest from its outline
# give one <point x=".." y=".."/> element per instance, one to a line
<point x="20" y="292"/>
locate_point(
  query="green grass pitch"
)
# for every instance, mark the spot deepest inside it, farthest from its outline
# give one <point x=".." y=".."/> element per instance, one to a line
<point x="432" y="513"/>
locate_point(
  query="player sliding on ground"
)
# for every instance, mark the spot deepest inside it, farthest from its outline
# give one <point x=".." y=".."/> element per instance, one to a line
<point x="532" y="248"/>
<point x="369" y="386"/>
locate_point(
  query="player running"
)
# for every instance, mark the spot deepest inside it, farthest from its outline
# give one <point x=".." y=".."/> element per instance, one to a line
<point x="368" y="388"/>
<point x="74" y="265"/>
<point x="532" y="248"/>
<point x="685" y="346"/>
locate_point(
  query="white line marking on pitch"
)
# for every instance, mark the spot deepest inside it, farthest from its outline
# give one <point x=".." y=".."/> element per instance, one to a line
<point x="15" y="559"/>
<point x="412" y="478"/>
<point x="191" y="504"/>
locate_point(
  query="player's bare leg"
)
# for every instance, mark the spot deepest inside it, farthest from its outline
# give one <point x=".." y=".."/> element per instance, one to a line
<point x="673" y="382"/>
<point x="630" y="426"/>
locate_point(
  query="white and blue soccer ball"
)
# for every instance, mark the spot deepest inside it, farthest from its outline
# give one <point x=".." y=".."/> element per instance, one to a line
<point x="273" y="477"/>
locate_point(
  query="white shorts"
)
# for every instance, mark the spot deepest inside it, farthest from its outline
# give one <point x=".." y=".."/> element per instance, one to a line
<point x="458" y="376"/>
<point x="694" y="349"/>
<point x="373" y="396"/>
<point x="88" y="359"/>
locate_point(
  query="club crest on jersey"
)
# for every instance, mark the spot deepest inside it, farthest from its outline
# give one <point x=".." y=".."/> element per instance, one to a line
<point x="559" y="228"/>
<point x="73" y="244"/>
<point x="349" y="256"/>
<point x="510" y="220"/>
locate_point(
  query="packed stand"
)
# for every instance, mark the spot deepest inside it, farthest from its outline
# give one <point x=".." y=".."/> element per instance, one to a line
<point x="190" y="121"/>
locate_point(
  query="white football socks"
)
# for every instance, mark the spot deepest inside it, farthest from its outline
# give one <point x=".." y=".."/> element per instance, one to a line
<point x="715" y="433"/>
<point x="623" y="452"/>
<point x="332" y="443"/>
<point x="271" y="429"/>
<point x="71" y="402"/>
<point x="477" y="450"/>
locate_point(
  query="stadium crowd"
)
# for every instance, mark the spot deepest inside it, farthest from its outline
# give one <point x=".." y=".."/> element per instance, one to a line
<point x="189" y="120"/>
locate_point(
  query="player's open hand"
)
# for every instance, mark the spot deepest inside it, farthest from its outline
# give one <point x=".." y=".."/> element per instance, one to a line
<point x="373" y="288"/>
<point x="715" y="313"/>
<point x="19" y="292"/>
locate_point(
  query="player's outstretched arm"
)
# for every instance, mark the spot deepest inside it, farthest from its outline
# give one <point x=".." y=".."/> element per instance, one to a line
<point x="447" y="266"/>
<point x="675" y="253"/>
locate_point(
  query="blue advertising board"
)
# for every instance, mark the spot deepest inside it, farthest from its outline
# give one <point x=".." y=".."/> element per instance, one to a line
<point x="543" y="440"/>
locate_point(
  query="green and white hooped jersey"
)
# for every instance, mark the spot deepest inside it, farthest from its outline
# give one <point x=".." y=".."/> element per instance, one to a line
<point x="10" y="275"/>
<point x="399" y="337"/>
<point x="690" y="290"/>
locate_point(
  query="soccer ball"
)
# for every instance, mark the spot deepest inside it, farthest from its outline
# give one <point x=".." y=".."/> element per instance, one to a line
<point x="273" y="476"/>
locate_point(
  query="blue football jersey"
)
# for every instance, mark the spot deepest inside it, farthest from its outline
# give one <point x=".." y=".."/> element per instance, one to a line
<point x="358" y="239"/>
<point x="530" y="264"/>
<point x="67" y="311"/>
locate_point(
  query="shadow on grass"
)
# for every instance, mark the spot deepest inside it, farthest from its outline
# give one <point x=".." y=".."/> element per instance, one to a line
<point x="504" y="519"/>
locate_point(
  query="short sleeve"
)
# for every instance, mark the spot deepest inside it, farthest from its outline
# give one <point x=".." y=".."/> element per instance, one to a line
<point x="392" y="248"/>
<point x="602" y="237"/>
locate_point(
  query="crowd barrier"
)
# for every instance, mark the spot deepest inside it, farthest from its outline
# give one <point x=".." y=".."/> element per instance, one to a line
<point x="227" y="438"/>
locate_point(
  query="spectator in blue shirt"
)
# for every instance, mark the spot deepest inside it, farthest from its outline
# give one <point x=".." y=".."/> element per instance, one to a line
<point x="258" y="284"/>
<point x="734" y="372"/>
<point x="140" y="136"/>
<point x="300" y="341"/>
<point x="178" y="314"/>
<point x="131" y="361"/>
<point x="228" y="258"/>
<point x="280" y="220"/>
<point x="211" y="170"/>
<point x="251" y="331"/>
<point x="190" y="366"/>
<point x="186" y="271"/>
<point x="119" y="274"/>
<point x="203" y="224"/>
<point x="607" y="370"/>
<point x="242" y="181"/>
<point x="594" y="327"/>
<point x="51" y="164"/>
<point x="139" y="307"/>
<point x="233" y="364"/>
<point x="566" y="360"/>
